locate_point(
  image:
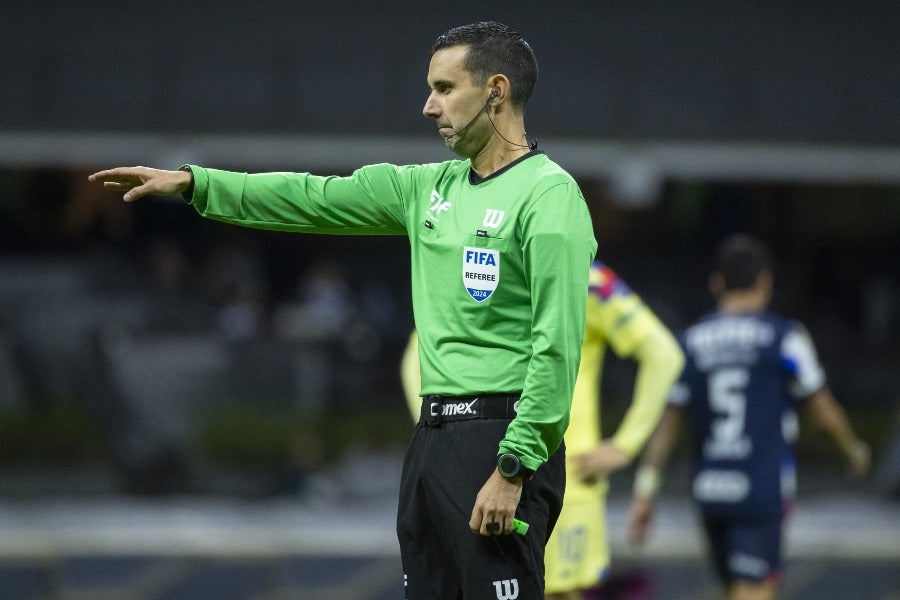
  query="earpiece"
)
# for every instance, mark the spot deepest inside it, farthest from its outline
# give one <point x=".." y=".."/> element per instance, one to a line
<point x="495" y="93"/>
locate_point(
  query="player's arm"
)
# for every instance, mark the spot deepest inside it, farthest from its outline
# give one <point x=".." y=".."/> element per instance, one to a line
<point x="617" y="314"/>
<point x="660" y="361"/>
<point x="659" y="447"/>
<point x="410" y="376"/>
<point x="799" y="357"/>
<point x="827" y="415"/>
<point x="649" y="473"/>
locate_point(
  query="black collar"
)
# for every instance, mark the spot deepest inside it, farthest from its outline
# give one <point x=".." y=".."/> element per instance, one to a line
<point x="475" y="178"/>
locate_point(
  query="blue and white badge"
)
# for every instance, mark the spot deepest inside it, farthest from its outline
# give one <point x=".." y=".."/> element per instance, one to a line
<point x="480" y="272"/>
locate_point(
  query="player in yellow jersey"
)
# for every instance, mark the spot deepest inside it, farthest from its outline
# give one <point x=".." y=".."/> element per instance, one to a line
<point x="577" y="554"/>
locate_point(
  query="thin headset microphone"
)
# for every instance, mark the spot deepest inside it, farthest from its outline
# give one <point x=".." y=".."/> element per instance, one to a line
<point x="531" y="146"/>
<point x="478" y="114"/>
<point x="494" y="93"/>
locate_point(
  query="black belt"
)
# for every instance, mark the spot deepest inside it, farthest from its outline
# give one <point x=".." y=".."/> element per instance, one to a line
<point x="437" y="409"/>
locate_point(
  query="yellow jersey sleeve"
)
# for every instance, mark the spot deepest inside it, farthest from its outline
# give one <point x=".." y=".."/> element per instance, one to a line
<point x="633" y="331"/>
<point x="615" y="316"/>
<point x="617" y="313"/>
<point x="410" y="378"/>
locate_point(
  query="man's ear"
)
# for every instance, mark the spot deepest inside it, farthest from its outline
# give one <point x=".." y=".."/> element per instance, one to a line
<point x="499" y="88"/>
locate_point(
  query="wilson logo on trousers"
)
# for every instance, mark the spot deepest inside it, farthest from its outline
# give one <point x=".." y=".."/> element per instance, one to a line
<point x="507" y="589"/>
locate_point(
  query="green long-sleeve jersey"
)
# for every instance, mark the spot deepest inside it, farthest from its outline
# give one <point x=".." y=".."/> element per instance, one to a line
<point x="499" y="267"/>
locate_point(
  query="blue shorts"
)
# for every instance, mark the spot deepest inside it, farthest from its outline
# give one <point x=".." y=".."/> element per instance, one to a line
<point x="745" y="549"/>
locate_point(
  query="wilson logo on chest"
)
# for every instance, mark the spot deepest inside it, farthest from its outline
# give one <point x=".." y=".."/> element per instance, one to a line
<point x="493" y="218"/>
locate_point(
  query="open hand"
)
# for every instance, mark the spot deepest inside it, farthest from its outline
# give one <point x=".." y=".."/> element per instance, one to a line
<point x="137" y="182"/>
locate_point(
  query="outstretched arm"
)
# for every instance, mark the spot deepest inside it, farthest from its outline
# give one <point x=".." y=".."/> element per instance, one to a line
<point x="828" y="415"/>
<point x="137" y="182"/>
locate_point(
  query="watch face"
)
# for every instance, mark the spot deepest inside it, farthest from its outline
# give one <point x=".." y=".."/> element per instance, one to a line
<point x="508" y="465"/>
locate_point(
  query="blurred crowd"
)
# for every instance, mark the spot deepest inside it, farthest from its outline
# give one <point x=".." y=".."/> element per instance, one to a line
<point x="170" y="335"/>
<point x="153" y="329"/>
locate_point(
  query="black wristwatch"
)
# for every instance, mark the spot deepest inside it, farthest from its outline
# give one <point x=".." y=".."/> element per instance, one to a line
<point x="509" y="465"/>
<point x="188" y="194"/>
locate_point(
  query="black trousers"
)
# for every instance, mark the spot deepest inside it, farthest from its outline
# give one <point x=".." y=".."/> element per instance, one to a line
<point x="445" y="467"/>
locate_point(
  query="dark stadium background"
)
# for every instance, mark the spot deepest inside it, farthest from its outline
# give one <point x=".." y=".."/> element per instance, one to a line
<point x="134" y="380"/>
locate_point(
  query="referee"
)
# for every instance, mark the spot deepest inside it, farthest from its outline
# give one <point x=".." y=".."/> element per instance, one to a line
<point x="501" y="244"/>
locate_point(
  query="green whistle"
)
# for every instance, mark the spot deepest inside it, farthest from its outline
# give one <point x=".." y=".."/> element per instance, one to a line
<point x="520" y="527"/>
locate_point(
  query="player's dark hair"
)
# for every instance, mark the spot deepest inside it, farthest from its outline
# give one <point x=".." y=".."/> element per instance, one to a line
<point x="495" y="48"/>
<point x="740" y="260"/>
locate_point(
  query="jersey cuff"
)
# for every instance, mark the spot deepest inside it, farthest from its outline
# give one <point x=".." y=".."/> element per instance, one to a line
<point x="197" y="194"/>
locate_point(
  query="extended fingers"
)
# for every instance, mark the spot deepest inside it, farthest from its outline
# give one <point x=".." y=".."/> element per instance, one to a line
<point x="117" y="174"/>
<point x="135" y="182"/>
<point x="137" y="192"/>
<point x="118" y="185"/>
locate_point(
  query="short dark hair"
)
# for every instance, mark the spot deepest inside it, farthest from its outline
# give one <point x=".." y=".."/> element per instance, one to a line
<point x="495" y="48"/>
<point x="740" y="260"/>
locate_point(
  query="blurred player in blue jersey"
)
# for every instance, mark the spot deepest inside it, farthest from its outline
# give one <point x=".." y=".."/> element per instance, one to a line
<point x="747" y="369"/>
